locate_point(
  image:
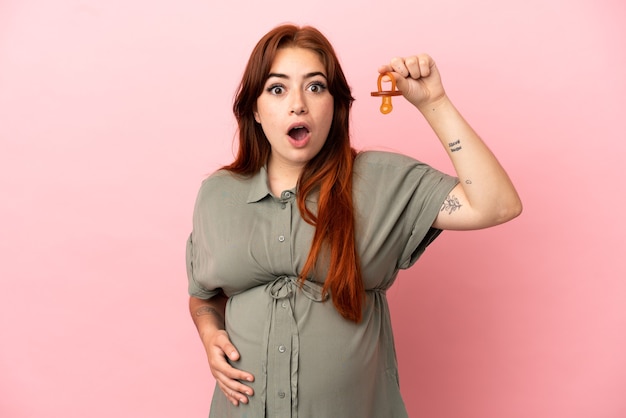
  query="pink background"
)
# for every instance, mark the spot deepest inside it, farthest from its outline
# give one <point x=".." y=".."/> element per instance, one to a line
<point x="112" y="112"/>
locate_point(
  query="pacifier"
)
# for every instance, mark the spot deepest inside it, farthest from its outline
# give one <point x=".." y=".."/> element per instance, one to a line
<point x="386" y="106"/>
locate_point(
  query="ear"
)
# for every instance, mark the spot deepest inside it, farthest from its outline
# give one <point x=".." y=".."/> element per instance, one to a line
<point x="257" y="118"/>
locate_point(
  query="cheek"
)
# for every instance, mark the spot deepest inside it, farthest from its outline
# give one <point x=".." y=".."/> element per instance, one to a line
<point x="331" y="110"/>
<point x="260" y="110"/>
<point x="255" y="112"/>
<point x="329" y="118"/>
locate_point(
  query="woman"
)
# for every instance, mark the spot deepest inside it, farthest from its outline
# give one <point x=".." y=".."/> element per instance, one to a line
<point x="295" y="243"/>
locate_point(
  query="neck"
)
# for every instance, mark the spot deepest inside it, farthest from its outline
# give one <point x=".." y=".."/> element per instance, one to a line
<point x="282" y="177"/>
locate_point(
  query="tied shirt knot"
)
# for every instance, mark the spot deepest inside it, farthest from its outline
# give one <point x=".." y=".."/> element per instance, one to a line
<point x="282" y="345"/>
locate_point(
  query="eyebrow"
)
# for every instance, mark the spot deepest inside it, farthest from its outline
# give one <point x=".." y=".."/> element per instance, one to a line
<point x="308" y="75"/>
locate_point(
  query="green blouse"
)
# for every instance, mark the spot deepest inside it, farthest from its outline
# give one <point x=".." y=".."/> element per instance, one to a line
<point x="307" y="360"/>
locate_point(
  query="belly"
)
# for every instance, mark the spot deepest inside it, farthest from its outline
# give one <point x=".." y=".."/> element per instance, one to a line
<point x="331" y="352"/>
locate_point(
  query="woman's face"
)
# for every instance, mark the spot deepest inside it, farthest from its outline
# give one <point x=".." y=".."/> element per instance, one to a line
<point x="295" y="109"/>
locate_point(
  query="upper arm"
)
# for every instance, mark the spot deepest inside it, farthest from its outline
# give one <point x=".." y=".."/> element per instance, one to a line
<point x="457" y="213"/>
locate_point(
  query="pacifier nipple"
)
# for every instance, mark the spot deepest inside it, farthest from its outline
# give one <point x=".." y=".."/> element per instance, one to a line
<point x="386" y="106"/>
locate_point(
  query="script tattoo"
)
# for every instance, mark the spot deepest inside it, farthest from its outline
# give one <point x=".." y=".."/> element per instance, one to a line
<point x="455" y="146"/>
<point x="451" y="204"/>
<point x="208" y="310"/>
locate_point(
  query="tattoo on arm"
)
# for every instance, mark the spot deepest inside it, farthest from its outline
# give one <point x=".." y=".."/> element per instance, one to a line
<point x="455" y="146"/>
<point x="209" y="310"/>
<point x="451" y="204"/>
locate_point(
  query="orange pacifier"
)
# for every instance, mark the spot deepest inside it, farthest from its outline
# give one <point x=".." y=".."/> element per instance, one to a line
<point x="386" y="106"/>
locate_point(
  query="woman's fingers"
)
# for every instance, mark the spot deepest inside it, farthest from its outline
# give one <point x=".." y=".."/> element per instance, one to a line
<point x="227" y="377"/>
<point x="414" y="66"/>
<point x="234" y="395"/>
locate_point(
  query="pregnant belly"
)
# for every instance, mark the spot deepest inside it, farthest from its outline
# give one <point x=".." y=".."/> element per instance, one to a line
<point x="307" y="345"/>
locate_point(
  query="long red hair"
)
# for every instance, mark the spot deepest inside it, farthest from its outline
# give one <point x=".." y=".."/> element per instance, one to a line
<point x="329" y="172"/>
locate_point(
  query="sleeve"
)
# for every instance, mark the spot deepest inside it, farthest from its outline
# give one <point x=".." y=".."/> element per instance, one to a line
<point x="422" y="210"/>
<point x="408" y="196"/>
<point x="194" y="259"/>
<point x="198" y="254"/>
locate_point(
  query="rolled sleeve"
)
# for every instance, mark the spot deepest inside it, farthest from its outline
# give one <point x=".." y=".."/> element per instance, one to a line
<point x="434" y="188"/>
<point x="398" y="227"/>
<point x="194" y="288"/>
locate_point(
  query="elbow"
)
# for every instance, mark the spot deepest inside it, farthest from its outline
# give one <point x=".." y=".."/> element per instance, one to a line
<point x="510" y="211"/>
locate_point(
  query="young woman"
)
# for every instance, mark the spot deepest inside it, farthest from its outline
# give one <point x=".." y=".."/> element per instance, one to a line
<point x="295" y="243"/>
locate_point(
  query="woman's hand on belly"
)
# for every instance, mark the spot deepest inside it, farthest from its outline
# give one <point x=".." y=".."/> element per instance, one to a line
<point x="219" y="347"/>
<point x="208" y="316"/>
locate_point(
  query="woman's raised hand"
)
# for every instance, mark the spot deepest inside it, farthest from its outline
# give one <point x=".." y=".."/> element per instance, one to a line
<point x="417" y="77"/>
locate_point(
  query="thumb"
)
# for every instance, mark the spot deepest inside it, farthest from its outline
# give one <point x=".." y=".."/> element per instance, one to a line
<point x="402" y="83"/>
<point x="228" y="348"/>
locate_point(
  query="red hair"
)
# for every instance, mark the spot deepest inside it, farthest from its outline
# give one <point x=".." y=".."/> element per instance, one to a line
<point x="329" y="172"/>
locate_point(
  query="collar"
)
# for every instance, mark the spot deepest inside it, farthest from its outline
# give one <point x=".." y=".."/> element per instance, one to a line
<point x="259" y="188"/>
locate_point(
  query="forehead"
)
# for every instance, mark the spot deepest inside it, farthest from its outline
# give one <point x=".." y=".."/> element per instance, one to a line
<point x="295" y="59"/>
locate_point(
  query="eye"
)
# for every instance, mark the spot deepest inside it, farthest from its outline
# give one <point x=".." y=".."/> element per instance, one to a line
<point x="317" y="87"/>
<point x="276" y="89"/>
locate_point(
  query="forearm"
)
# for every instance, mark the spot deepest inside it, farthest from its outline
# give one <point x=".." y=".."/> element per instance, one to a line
<point x="208" y="315"/>
<point x="487" y="189"/>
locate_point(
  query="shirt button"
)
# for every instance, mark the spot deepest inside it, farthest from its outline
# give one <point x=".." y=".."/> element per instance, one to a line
<point x="282" y="348"/>
<point x="284" y="305"/>
<point x="281" y="394"/>
<point x="281" y="238"/>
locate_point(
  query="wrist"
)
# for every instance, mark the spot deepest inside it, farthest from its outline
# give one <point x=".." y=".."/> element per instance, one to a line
<point x="209" y="333"/>
<point x="436" y="105"/>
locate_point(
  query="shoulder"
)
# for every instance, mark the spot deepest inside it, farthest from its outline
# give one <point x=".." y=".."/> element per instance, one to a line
<point x="390" y="172"/>
<point x="224" y="184"/>
<point x="224" y="179"/>
<point x="381" y="165"/>
<point x="383" y="158"/>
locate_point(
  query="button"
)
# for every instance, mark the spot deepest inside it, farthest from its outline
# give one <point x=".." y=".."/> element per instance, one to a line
<point x="281" y="394"/>
<point x="284" y="305"/>
<point x="286" y="195"/>
<point x="281" y="238"/>
<point x="282" y="348"/>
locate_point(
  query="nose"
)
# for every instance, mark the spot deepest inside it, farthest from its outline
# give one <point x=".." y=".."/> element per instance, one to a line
<point x="298" y="110"/>
<point x="298" y="105"/>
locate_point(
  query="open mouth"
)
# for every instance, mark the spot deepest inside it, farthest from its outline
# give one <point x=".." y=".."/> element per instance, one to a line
<point x="298" y="133"/>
